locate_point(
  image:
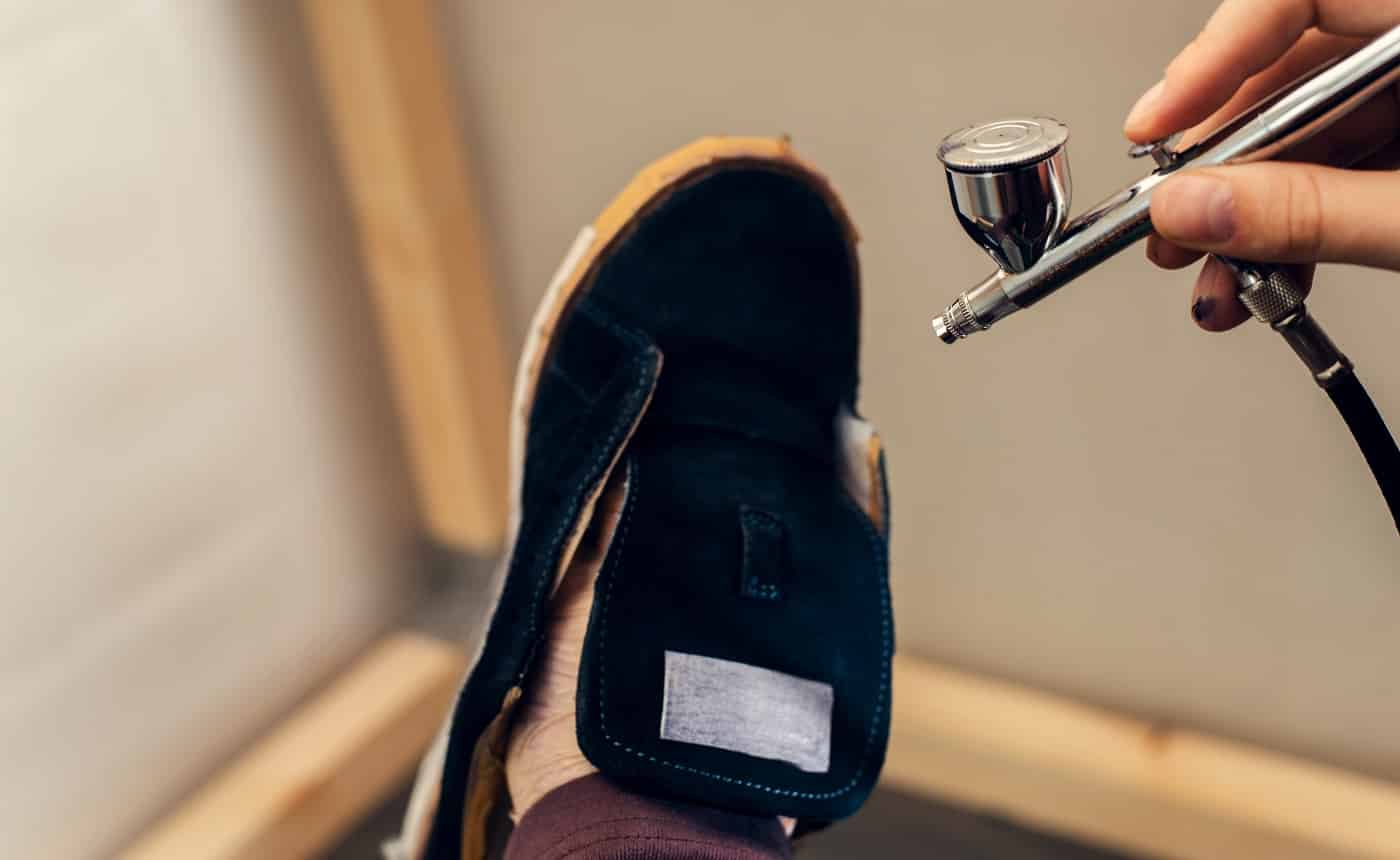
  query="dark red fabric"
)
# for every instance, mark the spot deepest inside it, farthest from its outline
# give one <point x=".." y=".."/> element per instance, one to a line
<point x="593" y="819"/>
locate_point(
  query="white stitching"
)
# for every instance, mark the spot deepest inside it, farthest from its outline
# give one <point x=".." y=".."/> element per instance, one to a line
<point x="604" y="454"/>
<point x="751" y="585"/>
<point x="886" y="639"/>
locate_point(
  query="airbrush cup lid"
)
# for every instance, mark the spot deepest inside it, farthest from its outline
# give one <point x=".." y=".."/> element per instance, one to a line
<point x="1003" y="145"/>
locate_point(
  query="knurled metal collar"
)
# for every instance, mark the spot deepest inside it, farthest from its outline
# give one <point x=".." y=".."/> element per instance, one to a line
<point x="1003" y="145"/>
<point x="960" y="321"/>
<point x="1272" y="298"/>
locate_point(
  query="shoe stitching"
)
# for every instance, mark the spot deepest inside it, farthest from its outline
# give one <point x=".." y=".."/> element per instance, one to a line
<point x="604" y="453"/>
<point x="591" y="403"/>
<point x="877" y="546"/>
<point x="640" y="364"/>
<point x="752" y="520"/>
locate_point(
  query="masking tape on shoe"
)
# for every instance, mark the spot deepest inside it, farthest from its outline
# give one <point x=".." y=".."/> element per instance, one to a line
<point x="747" y="709"/>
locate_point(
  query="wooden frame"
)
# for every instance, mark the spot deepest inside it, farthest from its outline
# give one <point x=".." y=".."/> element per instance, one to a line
<point x="1101" y="777"/>
<point x="1035" y="758"/>
<point x="394" y="122"/>
<point x="336" y="758"/>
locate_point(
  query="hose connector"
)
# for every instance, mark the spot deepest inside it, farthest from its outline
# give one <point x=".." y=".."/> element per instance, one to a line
<point x="1272" y="296"/>
<point x="1268" y="293"/>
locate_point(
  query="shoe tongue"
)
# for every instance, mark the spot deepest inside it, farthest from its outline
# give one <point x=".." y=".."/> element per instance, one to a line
<point x="745" y="401"/>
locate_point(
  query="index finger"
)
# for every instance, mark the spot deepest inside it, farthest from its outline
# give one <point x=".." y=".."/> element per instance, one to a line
<point x="1242" y="38"/>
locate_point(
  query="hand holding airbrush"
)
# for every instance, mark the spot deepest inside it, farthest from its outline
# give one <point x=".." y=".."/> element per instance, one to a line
<point x="1217" y="191"/>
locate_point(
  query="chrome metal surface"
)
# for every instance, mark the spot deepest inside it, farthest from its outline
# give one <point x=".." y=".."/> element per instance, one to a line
<point x="1263" y="132"/>
<point x="1162" y="152"/>
<point x="1269" y="293"/>
<point x="974" y="310"/>
<point x="958" y="321"/>
<point x="1010" y="186"/>
<point x="941" y="329"/>
<point x="1324" y="360"/>
<point x="1004" y="144"/>
<point x="1272" y="296"/>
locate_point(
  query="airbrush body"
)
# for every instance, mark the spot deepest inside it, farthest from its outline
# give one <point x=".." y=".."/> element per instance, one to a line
<point x="995" y="181"/>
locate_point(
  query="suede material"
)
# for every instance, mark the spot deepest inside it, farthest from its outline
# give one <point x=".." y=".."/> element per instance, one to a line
<point x="673" y="581"/>
<point x="745" y="281"/>
<point x="577" y="425"/>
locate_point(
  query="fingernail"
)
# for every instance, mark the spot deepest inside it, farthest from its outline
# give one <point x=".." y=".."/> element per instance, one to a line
<point x="1196" y="209"/>
<point x="1143" y="109"/>
<point x="1202" y="308"/>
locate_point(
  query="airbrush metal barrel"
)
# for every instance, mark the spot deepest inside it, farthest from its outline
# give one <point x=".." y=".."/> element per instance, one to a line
<point x="1271" y="127"/>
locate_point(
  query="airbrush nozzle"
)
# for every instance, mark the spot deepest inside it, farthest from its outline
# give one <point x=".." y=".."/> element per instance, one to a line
<point x="957" y="322"/>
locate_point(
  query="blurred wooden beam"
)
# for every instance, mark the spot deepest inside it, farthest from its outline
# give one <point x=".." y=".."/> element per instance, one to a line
<point x="330" y="763"/>
<point x="1097" y="776"/>
<point x="394" y="119"/>
<point x="1037" y="759"/>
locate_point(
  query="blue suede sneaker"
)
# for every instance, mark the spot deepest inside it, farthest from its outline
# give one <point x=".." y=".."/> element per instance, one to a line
<point x="685" y="413"/>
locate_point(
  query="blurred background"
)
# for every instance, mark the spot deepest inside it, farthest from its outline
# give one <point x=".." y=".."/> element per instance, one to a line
<point x="209" y="494"/>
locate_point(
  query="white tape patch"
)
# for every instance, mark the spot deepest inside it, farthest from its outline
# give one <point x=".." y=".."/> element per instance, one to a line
<point x="747" y="709"/>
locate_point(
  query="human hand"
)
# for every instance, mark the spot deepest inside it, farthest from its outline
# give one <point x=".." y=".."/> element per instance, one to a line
<point x="542" y="752"/>
<point x="1303" y="210"/>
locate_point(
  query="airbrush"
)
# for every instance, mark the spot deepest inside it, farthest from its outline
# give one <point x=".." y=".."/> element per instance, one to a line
<point x="1011" y="189"/>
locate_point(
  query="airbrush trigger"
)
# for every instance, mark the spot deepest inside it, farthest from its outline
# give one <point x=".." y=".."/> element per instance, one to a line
<point x="1163" y="152"/>
<point x="1270" y="293"/>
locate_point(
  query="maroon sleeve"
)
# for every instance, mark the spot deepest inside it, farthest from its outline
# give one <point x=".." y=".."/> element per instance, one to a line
<point x="593" y="819"/>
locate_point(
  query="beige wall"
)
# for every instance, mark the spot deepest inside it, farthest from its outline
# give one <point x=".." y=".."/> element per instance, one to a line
<point x="1096" y="497"/>
<point x="201" y="505"/>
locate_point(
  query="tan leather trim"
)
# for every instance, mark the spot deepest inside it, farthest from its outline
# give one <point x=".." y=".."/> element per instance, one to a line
<point x="487" y="778"/>
<point x="875" y="505"/>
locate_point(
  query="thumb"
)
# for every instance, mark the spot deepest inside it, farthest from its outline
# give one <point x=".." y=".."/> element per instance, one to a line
<point x="1291" y="213"/>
